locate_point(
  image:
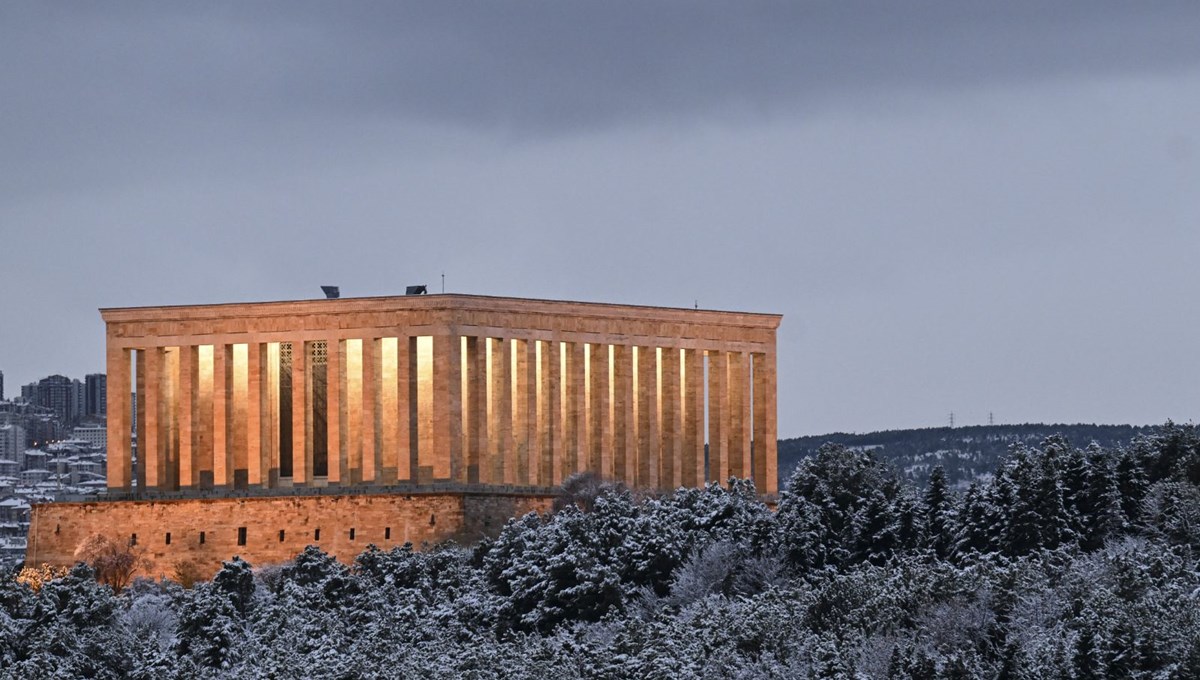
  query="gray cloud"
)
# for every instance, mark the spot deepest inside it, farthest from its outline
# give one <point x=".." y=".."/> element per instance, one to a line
<point x="972" y="206"/>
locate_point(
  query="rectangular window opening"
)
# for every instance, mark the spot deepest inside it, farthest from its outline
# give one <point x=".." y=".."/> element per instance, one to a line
<point x="387" y="533"/>
<point x="168" y="538"/>
<point x="281" y="534"/>
<point x="241" y="535"/>
<point x="351" y="534"/>
<point x="201" y="538"/>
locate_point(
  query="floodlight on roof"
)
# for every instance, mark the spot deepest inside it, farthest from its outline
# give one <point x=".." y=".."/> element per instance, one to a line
<point x="331" y="292"/>
<point x="415" y="290"/>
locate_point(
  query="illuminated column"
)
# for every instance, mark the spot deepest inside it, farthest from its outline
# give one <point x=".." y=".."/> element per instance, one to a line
<point x="478" y="454"/>
<point x="693" y="418"/>
<point x="389" y="449"/>
<point x="718" y="416"/>
<point x="335" y="378"/>
<point x="370" y="423"/>
<point x="353" y="407"/>
<point x="500" y="413"/>
<point x="239" y="388"/>
<point x="189" y="473"/>
<point x="117" y="421"/>
<point x="550" y="420"/>
<point x="765" y="443"/>
<point x="624" y="415"/>
<point x="649" y="437"/>
<point x="575" y="399"/>
<point x="525" y="410"/>
<point x="739" y="415"/>
<point x="600" y="458"/>
<point x="222" y="425"/>
<point x="151" y="453"/>
<point x="301" y="453"/>
<point x="170" y="416"/>
<point x="671" y="467"/>
<point x="406" y="408"/>
<point x="446" y="457"/>
<point x="256" y="353"/>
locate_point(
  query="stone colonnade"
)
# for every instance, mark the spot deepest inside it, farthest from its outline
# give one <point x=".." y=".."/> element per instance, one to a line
<point x="438" y="389"/>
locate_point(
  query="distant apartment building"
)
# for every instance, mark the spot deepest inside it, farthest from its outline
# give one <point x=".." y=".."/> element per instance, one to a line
<point x="1" y="385"/>
<point x="96" y="435"/>
<point x="62" y="395"/>
<point x="12" y="442"/>
<point x="95" y="394"/>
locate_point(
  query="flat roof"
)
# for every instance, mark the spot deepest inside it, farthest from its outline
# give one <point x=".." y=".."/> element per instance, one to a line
<point x="429" y="301"/>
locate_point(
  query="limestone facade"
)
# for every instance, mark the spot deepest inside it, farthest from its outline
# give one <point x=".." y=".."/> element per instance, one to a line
<point x="417" y="390"/>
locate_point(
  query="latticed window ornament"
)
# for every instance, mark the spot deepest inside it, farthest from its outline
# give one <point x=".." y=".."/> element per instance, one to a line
<point x="285" y="354"/>
<point x="319" y="352"/>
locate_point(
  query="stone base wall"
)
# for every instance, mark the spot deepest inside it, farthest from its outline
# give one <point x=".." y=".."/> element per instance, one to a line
<point x="207" y="531"/>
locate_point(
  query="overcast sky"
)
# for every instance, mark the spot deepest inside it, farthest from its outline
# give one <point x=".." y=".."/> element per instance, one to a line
<point x="972" y="207"/>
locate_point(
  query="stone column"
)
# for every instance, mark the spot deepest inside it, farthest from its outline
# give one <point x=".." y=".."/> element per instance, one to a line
<point x="693" y="418"/>
<point x="352" y="404"/>
<point x="301" y="453"/>
<point x="624" y="416"/>
<point x="671" y="463"/>
<point x="500" y="414"/>
<point x="649" y="436"/>
<point x="765" y="443"/>
<point x="600" y="450"/>
<point x="478" y="454"/>
<point x="118" y="419"/>
<point x="335" y="377"/>
<point x="189" y="469"/>
<point x="739" y="415"/>
<point x="550" y="419"/>
<point x="575" y="398"/>
<point x="389" y="449"/>
<point x="718" y="416"/>
<point x="222" y="423"/>
<point x="151" y="456"/>
<point x="370" y="423"/>
<point x="446" y="458"/>
<point x="256" y="466"/>
<point x="406" y="408"/>
<point x="525" y="411"/>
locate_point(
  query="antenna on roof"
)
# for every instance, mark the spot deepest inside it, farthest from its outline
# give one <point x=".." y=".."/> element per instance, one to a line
<point x="443" y="282"/>
<point x="331" y="292"/>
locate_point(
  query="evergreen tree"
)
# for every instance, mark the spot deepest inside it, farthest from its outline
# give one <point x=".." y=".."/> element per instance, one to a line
<point x="939" y="536"/>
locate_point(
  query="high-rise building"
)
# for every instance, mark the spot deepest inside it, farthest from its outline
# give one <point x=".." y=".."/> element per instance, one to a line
<point x="1" y="385"/>
<point x="59" y="393"/>
<point x="96" y="394"/>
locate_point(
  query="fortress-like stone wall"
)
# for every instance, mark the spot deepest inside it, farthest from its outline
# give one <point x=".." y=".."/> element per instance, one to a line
<point x="276" y="528"/>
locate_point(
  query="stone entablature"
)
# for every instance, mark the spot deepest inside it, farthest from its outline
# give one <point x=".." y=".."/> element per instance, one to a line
<point x="442" y="388"/>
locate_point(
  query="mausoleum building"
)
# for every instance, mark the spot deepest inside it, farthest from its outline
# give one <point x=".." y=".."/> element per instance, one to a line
<point x="306" y="412"/>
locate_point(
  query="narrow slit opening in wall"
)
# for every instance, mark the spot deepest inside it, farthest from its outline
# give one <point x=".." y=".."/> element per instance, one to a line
<point x="281" y="535"/>
<point x="241" y="536"/>
<point x="201" y="538"/>
<point x="316" y="534"/>
<point x="132" y="540"/>
<point x="387" y="533"/>
<point x="351" y="533"/>
<point x="167" y="539"/>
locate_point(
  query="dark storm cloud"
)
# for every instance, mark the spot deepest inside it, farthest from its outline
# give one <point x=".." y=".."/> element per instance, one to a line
<point x="550" y="66"/>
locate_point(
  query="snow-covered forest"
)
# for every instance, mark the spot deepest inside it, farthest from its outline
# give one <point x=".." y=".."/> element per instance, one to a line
<point x="1067" y="563"/>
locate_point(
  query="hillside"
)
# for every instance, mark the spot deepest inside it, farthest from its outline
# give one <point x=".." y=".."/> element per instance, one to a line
<point x="966" y="453"/>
